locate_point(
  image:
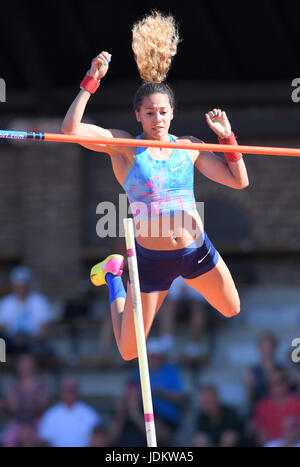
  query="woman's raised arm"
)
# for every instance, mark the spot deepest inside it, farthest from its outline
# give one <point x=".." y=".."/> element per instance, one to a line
<point x="72" y="124"/>
<point x="231" y="172"/>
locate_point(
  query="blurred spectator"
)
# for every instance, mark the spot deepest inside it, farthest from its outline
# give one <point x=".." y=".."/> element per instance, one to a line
<point x="168" y="394"/>
<point x="2" y="414"/>
<point x="70" y="422"/>
<point x="26" y="400"/>
<point x="26" y="435"/>
<point x="128" y="425"/>
<point x="296" y="380"/>
<point x="290" y="434"/>
<point x="28" y="395"/>
<point x="218" y="425"/>
<point x="83" y="305"/>
<point x="183" y="297"/>
<point x="98" y="438"/>
<point x="76" y="309"/>
<point x="2" y="403"/>
<point x="256" y="377"/>
<point x="270" y="411"/>
<point x="24" y="315"/>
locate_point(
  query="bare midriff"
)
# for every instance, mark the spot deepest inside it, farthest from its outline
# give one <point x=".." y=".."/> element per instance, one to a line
<point x="169" y="232"/>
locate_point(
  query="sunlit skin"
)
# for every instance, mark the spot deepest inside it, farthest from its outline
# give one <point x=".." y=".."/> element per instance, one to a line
<point x="155" y="115"/>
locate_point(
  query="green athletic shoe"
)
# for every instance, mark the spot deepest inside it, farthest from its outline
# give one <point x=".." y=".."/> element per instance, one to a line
<point x="112" y="264"/>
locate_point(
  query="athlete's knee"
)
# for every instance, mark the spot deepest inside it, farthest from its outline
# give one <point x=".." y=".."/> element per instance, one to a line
<point x="234" y="311"/>
<point x="128" y="354"/>
<point x="231" y="309"/>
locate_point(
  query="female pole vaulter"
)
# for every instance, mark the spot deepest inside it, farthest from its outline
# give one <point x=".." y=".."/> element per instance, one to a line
<point x="163" y="180"/>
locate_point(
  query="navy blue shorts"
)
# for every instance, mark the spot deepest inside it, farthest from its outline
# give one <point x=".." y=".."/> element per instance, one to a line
<point x="158" y="268"/>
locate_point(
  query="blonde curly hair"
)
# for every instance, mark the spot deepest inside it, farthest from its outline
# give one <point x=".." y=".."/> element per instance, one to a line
<point x="154" y="43"/>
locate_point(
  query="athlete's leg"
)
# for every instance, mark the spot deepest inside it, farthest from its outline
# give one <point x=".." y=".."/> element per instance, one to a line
<point x="123" y="320"/>
<point x="109" y="271"/>
<point x="218" y="288"/>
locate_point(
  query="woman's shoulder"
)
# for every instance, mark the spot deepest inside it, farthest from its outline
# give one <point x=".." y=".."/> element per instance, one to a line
<point x="123" y="150"/>
<point x="188" y="139"/>
<point x="121" y="134"/>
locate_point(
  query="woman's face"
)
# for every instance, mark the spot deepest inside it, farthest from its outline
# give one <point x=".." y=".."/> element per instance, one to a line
<point x="155" y="115"/>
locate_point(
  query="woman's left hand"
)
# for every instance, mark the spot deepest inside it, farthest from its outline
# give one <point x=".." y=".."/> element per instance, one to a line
<point x="219" y="123"/>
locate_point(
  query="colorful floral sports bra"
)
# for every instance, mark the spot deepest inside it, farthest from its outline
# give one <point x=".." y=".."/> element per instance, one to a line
<point x="157" y="188"/>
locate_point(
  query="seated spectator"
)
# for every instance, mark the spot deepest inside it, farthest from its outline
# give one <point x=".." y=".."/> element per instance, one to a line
<point x="28" y="395"/>
<point x="98" y="437"/>
<point x="290" y="435"/>
<point x="296" y="379"/>
<point x="70" y="422"/>
<point x="270" y="411"/>
<point x="26" y="400"/>
<point x="128" y="425"/>
<point x="256" y="377"/>
<point x="183" y="297"/>
<point x="2" y="403"/>
<point x="26" y="434"/>
<point x="24" y="315"/>
<point x="85" y="304"/>
<point x="217" y="425"/>
<point x="2" y="414"/>
<point x="168" y="394"/>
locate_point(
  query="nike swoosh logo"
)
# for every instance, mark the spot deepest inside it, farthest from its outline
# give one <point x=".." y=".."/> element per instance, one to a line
<point x="176" y="168"/>
<point x="200" y="260"/>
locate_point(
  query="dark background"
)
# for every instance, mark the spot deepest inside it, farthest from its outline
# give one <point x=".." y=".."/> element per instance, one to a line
<point x="241" y="57"/>
<point x="46" y="46"/>
<point x="237" y="41"/>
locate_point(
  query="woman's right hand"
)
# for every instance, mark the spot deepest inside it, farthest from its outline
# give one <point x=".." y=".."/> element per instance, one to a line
<point x="99" y="65"/>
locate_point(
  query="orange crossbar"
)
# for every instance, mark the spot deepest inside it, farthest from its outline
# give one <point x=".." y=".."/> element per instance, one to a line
<point x="275" y="151"/>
